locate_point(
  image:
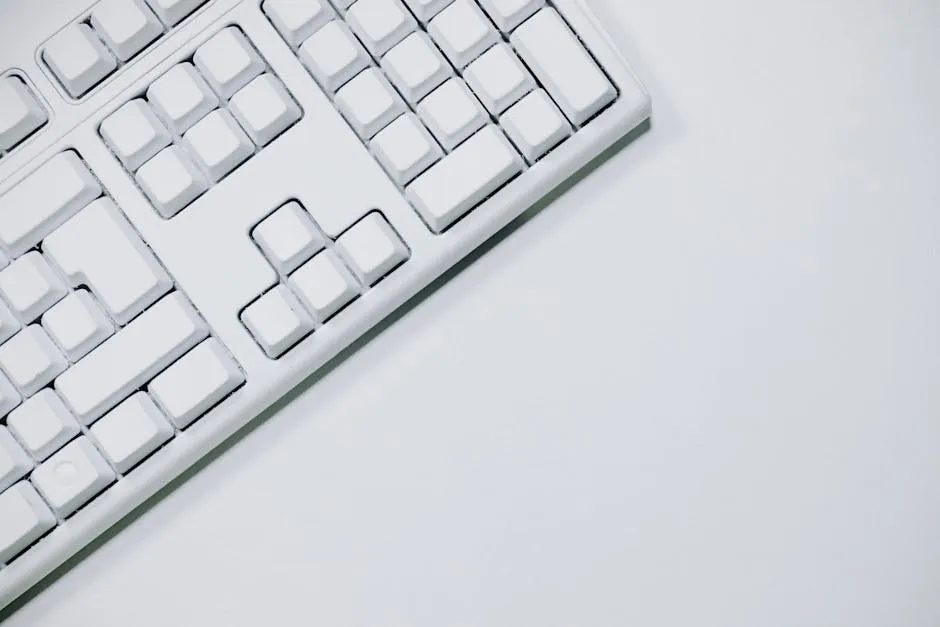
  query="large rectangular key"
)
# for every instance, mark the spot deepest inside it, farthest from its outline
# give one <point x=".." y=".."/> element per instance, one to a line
<point x="99" y="248"/>
<point x="132" y="357"/>
<point x="559" y="60"/>
<point x="464" y="178"/>
<point x="49" y="196"/>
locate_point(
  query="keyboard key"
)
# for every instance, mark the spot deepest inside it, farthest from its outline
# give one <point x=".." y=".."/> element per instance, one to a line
<point x="127" y="26"/>
<point x="498" y="78"/>
<point x="77" y="324"/>
<point x="181" y="97"/>
<point x="508" y="14"/>
<point x="464" y="178"/>
<point x="218" y="143"/>
<point x="78" y="59"/>
<point x="8" y="323"/>
<point x="134" y="133"/>
<point x="196" y="383"/>
<point x="131" y="357"/>
<point x="288" y="237"/>
<point x="20" y="112"/>
<point x="99" y="248"/>
<point x="324" y="285"/>
<point x="462" y="32"/>
<point x="535" y="125"/>
<point x="333" y="56"/>
<point x="405" y="149"/>
<point x="277" y="321"/>
<point x="563" y="66"/>
<point x="424" y="10"/>
<point x="296" y="21"/>
<point x="380" y="24"/>
<point x="30" y="286"/>
<point x="43" y="424"/>
<point x="24" y="518"/>
<point x="73" y="476"/>
<point x="44" y="200"/>
<point x="372" y="248"/>
<point x="9" y="397"/>
<point x="369" y="103"/>
<point x="264" y="109"/>
<point x="452" y="113"/>
<point x="171" y="180"/>
<point x="416" y="67"/>
<point x="228" y="61"/>
<point x="14" y="462"/>
<point x="31" y="360"/>
<point x="131" y="431"/>
<point x="173" y="12"/>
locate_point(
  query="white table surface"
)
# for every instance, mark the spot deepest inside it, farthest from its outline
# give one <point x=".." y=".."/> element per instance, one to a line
<point x="701" y="388"/>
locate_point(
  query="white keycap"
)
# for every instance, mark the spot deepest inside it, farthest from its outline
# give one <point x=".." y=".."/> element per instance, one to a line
<point x="24" y="518"/>
<point x="127" y="26"/>
<point x="297" y="20"/>
<point x="369" y="103"/>
<point x="8" y="323"/>
<point x="288" y="237"/>
<point x="9" y="397"/>
<point x="507" y="14"/>
<point x="73" y="476"/>
<point x="99" y="248"/>
<point x="171" y="180"/>
<point x="14" y="462"/>
<point x="380" y="24"/>
<point x="462" y="32"/>
<point x="372" y="248"/>
<point x="30" y="286"/>
<point x="333" y="55"/>
<point x="78" y="59"/>
<point x="424" y="10"/>
<point x="416" y="67"/>
<point x="131" y="431"/>
<point x="535" y="125"/>
<point x="461" y="180"/>
<point x="196" y="383"/>
<point x="218" y="143"/>
<point x="405" y="149"/>
<point x="77" y="324"/>
<point x="20" y="112"/>
<point x="31" y="359"/>
<point x="43" y="200"/>
<point x="498" y="78"/>
<point x="134" y="133"/>
<point x="181" y="97"/>
<point x="324" y="285"/>
<point x="228" y="61"/>
<point x="131" y="357"/>
<point x="264" y="109"/>
<point x="172" y="12"/>
<point x="277" y="321"/>
<point x="452" y="113"/>
<point x="43" y="424"/>
<point x="563" y="66"/>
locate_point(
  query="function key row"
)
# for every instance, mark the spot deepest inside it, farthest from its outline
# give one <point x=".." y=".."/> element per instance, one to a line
<point x="21" y="112"/>
<point x="112" y="33"/>
<point x="319" y="276"/>
<point x="438" y="87"/>
<point x="199" y="121"/>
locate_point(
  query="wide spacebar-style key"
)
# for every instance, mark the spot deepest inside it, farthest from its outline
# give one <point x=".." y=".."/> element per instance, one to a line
<point x="129" y="359"/>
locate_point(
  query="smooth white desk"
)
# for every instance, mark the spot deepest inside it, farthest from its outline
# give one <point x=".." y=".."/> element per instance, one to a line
<point x="701" y="388"/>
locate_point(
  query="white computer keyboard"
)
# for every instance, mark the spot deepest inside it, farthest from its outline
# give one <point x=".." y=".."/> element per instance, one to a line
<point x="202" y="201"/>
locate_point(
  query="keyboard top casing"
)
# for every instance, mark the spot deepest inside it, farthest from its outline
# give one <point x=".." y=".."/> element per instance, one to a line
<point x="206" y="248"/>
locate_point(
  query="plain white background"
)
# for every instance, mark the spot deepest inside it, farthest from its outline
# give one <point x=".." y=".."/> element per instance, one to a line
<point x="701" y="388"/>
